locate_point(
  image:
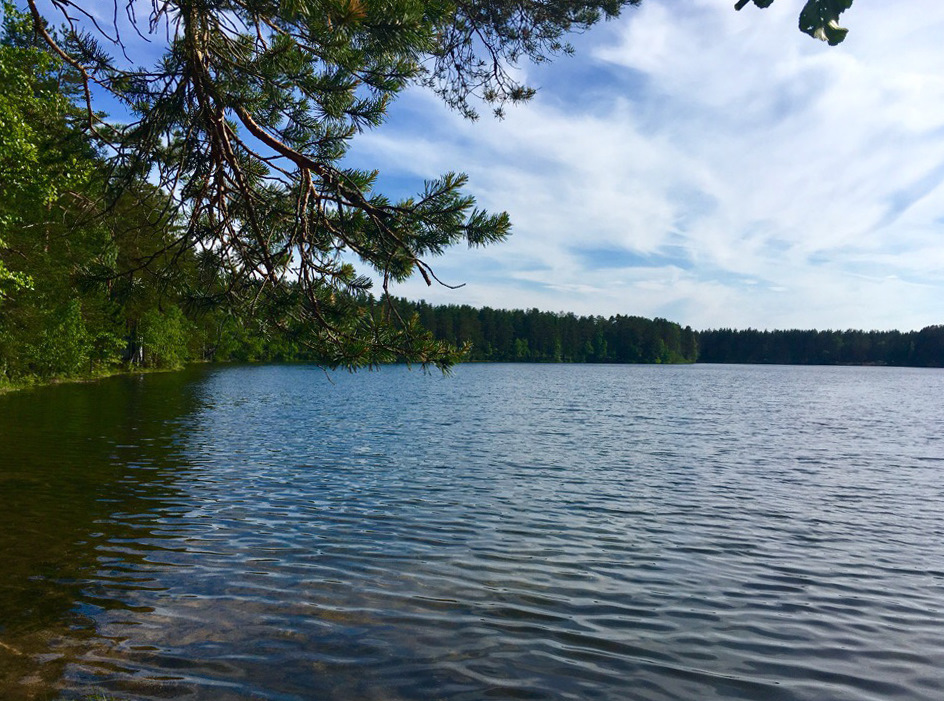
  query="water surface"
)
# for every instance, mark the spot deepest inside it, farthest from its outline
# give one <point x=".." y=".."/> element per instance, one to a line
<point x="512" y="531"/>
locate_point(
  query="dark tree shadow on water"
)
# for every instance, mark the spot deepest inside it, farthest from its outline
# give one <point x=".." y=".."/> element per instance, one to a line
<point x="85" y="469"/>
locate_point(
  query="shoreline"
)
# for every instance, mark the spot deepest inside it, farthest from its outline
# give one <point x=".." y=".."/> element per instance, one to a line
<point x="35" y="383"/>
<point x="7" y="386"/>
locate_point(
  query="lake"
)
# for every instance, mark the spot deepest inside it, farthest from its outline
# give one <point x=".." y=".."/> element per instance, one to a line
<point x="509" y="532"/>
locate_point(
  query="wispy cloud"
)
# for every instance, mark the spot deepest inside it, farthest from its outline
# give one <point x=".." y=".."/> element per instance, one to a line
<point x="714" y="167"/>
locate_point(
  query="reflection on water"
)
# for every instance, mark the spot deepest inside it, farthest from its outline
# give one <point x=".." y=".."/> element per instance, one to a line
<point x="83" y="467"/>
<point x="559" y="532"/>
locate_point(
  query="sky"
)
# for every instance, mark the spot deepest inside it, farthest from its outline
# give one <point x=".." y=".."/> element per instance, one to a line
<point x="712" y="167"/>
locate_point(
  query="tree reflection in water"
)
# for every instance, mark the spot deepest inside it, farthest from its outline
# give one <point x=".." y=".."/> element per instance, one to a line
<point x="74" y="457"/>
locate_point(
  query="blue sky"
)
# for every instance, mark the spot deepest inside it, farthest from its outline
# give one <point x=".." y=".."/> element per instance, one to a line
<point x="714" y="167"/>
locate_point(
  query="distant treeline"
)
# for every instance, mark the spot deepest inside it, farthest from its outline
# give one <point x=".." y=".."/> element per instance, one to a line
<point x="500" y="335"/>
<point x="924" y="348"/>
<point x="534" y="336"/>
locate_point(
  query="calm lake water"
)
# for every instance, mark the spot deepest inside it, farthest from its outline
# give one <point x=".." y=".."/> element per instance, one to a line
<point x="510" y="532"/>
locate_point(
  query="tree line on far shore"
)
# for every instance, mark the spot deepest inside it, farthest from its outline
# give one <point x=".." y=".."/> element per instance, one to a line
<point x="538" y="336"/>
<point x="924" y="348"/>
<point x="95" y="329"/>
<point x="500" y="335"/>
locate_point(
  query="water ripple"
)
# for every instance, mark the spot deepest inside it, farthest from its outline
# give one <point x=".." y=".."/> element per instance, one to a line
<point x="512" y="532"/>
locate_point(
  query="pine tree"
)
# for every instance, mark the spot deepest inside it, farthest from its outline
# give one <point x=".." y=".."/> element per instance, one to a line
<point x="245" y="119"/>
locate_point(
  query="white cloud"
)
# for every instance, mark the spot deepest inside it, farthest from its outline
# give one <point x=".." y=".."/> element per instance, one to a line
<point x="751" y="175"/>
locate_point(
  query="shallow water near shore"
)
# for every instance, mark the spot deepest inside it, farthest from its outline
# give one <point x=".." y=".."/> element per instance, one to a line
<point x="511" y="532"/>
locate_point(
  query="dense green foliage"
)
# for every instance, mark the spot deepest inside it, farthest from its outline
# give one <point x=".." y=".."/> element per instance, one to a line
<point x="924" y="348"/>
<point x="64" y="310"/>
<point x="536" y="336"/>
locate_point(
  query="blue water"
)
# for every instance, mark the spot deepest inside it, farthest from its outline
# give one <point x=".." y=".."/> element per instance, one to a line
<point x="509" y="532"/>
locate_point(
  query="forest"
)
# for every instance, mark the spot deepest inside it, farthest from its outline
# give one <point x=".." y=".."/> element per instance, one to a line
<point x="537" y="336"/>
<point x="499" y="335"/>
<point x="924" y="348"/>
<point x="88" y="281"/>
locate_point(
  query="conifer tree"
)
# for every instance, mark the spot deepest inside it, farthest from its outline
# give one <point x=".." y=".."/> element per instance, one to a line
<point x="246" y="116"/>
